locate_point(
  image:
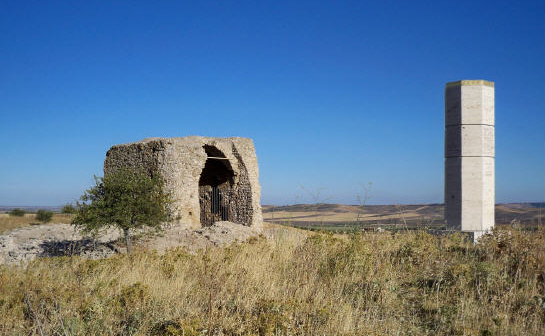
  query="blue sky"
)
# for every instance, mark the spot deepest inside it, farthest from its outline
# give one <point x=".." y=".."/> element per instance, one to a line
<point x="335" y="94"/>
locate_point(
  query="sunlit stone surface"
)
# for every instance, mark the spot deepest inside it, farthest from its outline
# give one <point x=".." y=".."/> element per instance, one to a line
<point x="469" y="156"/>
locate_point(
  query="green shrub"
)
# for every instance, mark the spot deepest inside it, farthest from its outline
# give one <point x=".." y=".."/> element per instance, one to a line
<point x="68" y="209"/>
<point x="44" y="216"/>
<point x="17" y="212"/>
<point x="128" y="199"/>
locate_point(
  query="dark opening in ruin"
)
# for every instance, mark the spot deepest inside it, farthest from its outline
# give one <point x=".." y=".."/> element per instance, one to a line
<point x="215" y="187"/>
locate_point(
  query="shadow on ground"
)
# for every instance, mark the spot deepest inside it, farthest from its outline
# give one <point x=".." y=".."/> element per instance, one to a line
<point x="82" y="247"/>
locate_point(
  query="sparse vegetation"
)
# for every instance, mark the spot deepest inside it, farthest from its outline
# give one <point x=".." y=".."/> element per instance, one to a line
<point x="17" y="212"/>
<point x="127" y="199"/>
<point x="44" y="216"/>
<point x="68" y="209"/>
<point x="9" y="223"/>
<point x="409" y="283"/>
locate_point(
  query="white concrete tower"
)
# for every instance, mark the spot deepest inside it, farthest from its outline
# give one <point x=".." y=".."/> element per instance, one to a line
<point x="469" y="156"/>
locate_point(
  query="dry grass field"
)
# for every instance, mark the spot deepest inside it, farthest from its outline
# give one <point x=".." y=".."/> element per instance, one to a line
<point x="8" y="222"/>
<point x="337" y="217"/>
<point x="297" y="283"/>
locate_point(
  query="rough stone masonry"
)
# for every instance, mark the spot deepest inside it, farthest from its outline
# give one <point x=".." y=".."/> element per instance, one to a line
<point x="469" y="156"/>
<point x="210" y="179"/>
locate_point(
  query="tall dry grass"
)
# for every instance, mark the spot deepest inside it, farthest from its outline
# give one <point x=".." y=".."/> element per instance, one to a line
<point x="8" y="222"/>
<point x="365" y="284"/>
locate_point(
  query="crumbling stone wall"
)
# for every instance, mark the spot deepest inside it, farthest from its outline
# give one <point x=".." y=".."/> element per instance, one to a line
<point x="181" y="162"/>
<point x="242" y="193"/>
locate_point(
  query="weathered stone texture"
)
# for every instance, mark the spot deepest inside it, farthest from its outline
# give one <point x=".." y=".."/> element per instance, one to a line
<point x="233" y="172"/>
<point x="469" y="155"/>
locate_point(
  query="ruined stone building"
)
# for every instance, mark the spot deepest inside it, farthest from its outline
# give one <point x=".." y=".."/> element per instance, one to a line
<point x="210" y="179"/>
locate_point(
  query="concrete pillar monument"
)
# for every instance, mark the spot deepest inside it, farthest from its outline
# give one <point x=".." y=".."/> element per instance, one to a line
<point x="469" y="156"/>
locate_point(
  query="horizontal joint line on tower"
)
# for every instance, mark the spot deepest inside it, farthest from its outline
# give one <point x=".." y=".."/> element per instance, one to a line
<point x="463" y="156"/>
<point x="469" y="125"/>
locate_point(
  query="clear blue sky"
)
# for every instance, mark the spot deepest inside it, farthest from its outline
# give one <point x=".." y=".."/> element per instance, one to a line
<point x="334" y="94"/>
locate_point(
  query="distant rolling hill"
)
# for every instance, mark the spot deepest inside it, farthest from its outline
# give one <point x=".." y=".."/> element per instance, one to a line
<point x="341" y="214"/>
<point x="6" y="208"/>
<point x="412" y="215"/>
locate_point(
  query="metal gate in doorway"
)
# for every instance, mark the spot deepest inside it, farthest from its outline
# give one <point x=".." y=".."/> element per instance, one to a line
<point x="215" y="203"/>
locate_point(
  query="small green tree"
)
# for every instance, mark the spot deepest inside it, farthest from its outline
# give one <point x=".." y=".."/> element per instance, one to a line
<point x="127" y="199"/>
<point x="17" y="212"/>
<point x="68" y="209"/>
<point x="44" y="216"/>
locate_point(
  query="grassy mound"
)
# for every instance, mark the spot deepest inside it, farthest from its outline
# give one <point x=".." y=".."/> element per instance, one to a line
<point x="372" y="284"/>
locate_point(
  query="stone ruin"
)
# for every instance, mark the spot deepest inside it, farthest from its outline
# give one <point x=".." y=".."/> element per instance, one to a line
<point x="210" y="179"/>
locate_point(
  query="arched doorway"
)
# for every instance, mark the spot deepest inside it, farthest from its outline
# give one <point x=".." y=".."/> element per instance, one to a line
<point x="216" y="187"/>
